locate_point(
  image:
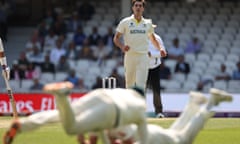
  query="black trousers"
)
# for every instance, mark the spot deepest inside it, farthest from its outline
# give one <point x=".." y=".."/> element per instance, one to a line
<point x="153" y="82"/>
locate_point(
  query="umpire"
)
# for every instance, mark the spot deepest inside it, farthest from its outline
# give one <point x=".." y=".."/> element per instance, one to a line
<point x="153" y="76"/>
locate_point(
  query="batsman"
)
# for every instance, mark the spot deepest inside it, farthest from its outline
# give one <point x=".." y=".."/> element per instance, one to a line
<point x="6" y="76"/>
<point x="3" y="61"/>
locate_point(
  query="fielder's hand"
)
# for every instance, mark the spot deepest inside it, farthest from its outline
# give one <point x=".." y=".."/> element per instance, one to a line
<point x="125" y="48"/>
<point x="6" y="72"/>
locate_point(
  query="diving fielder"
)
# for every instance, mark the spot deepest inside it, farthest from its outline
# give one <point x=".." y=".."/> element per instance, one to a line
<point x="184" y="129"/>
<point x="100" y="109"/>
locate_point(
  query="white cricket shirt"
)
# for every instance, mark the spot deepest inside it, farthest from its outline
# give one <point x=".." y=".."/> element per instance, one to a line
<point x="155" y="59"/>
<point x="136" y="34"/>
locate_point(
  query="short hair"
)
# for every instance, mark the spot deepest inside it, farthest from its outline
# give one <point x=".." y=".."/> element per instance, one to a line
<point x="143" y="1"/>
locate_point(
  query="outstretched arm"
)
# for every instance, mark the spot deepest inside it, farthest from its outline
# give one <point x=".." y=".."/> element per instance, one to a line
<point x="29" y="123"/>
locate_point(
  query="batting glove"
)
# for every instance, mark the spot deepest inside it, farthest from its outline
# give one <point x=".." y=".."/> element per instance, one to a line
<point x="6" y="72"/>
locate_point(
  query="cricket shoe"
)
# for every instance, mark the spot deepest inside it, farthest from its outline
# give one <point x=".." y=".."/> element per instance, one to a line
<point x="59" y="88"/>
<point x="160" y="115"/>
<point x="197" y="97"/>
<point x="11" y="133"/>
<point x="220" y="96"/>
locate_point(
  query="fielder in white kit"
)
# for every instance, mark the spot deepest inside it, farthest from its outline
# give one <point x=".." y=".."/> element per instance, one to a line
<point x="98" y="110"/>
<point x="185" y="128"/>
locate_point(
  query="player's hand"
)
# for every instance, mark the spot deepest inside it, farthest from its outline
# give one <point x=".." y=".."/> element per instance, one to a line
<point x="163" y="53"/>
<point x="6" y="72"/>
<point x="125" y="48"/>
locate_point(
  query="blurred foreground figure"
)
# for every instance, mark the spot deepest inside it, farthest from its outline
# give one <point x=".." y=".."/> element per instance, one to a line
<point x="184" y="129"/>
<point x="98" y="110"/>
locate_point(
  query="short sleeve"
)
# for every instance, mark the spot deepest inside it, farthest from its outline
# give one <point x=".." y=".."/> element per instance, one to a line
<point x="151" y="30"/>
<point x="120" y="27"/>
<point x="151" y="27"/>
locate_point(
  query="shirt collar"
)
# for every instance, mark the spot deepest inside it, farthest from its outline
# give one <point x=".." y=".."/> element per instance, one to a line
<point x="132" y="17"/>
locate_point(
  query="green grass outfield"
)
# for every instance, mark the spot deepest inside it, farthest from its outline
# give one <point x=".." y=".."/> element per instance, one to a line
<point x="216" y="131"/>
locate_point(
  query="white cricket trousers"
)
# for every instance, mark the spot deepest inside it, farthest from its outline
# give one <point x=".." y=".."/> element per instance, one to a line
<point x="136" y="69"/>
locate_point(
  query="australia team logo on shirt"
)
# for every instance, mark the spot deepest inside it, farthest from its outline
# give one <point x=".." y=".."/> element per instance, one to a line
<point x="131" y="24"/>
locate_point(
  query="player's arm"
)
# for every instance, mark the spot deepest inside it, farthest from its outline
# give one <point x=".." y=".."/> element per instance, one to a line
<point x="158" y="45"/>
<point x="118" y="42"/>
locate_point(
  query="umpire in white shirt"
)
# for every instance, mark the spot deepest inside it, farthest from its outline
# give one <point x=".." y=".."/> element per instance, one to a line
<point x="154" y="77"/>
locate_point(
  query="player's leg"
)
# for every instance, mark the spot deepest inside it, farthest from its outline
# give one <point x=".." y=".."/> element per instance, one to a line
<point x="191" y="130"/>
<point x="130" y="70"/>
<point x="193" y="105"/>
<point x="198" y="121"/>
<point x="142" y="70"/>
<point x="29" y="123"/>
<point x="217" y="96"/>
<point x="61" y="91"/>
<point x="153" y="77"/>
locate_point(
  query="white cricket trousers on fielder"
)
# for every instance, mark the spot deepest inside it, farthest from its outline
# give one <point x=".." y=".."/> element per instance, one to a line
<point x="136" y="69"/>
